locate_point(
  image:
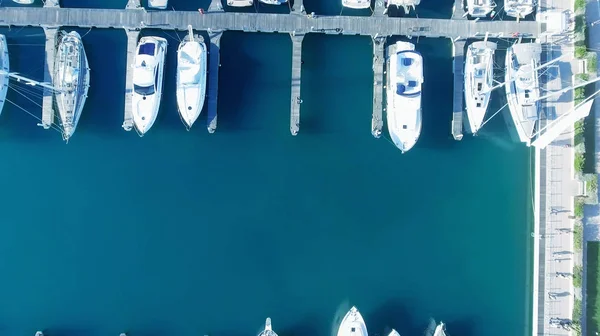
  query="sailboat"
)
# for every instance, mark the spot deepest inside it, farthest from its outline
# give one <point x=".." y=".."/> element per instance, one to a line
<point x="71" y="80"/>
<point x="5" y="66"/>
<point x="406" y="4"/>
<point x="148" y="78"/>
<point x="519" y="8"/>
<point x="479" y="79"/>
<point x="268" y="331"/>
<point x="352" y="324"/>
<point x="403" y="94"/>
<point x="480" y="8"/>
<point x="158" y="4"/>
<point x="191" y="77"/>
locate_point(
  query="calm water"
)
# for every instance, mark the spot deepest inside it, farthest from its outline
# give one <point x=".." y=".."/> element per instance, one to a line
<point x="186" y="233"/>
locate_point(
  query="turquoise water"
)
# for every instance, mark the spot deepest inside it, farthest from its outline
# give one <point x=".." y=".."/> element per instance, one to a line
<point x="187" y="233"/>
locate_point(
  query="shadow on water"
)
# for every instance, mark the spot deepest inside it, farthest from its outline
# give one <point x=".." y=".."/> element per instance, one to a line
<point x="113" y="4"/>
<point x="393" y="314"/>
<point x="440" y="9"/>
<point x="307" y="325"/>
<point x="10" y="3"/>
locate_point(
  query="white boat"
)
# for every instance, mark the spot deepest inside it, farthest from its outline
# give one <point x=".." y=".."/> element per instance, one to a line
<point x="158" y="4"/>
<point x="479" y="80"/>
<point x="406" y="4"/>
<point x="24" y="2"/>
<point x="268" y="331"/>
<point x="522" y="87"/>
<point x="191" y="77"/>
<point x="148" y="76"/>
<point x="273" y="2"/>
<point x="240" y="3"/>
<point x="393" y="333"/>
<point x="5" y="67"/>
<point x="71" y="81"/>
<point x="356" y="4"/>
<point x="480" y="8"/>
<point x="403" y="94"/>
<point x="440" y="330"/>
<point x="519" y="8"/>
<point x="352" y="324"/>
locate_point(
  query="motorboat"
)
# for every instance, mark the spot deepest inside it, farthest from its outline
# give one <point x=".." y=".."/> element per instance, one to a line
<point x="480" y="8"/>
<point x="406" y="4"/>
<point x="148" y="78"/>
<point x="403" y="94"/>
<point x="352" y="324"/>
<point x="71" y="81"/>
<point x="240" y="3"/>
<point x="393" y="333"/>
<point x="273" y="2"/>
<point x="191" y="77"/>
<point x="356" y="4"/>
<point x="5" y="69"/>
<point x="479" y="81"/>
<point x="158" y="4"/>
<point x="440" y="330"/>
<point x="522" y="87"/>
<point x="519" y="8"/>
<point x="24" y="2"/>
<point x="268" y="331"/>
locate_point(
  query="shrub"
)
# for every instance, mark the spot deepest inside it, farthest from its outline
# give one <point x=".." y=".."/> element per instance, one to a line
<point x="577" y="276"/>
<point x="579" y="5"/>
<point x="578" y="212"/>
<point x="592" y="63"/>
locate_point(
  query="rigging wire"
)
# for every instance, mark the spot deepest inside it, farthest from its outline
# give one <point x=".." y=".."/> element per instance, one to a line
<point x="35" y="94"/>
<point x="493" y="115"/>
<point x="31" y="114"/>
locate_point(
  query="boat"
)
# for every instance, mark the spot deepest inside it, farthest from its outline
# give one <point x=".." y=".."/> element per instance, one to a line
<point x="519" y="8"/>
<point x="24" y="2"/>
<point x="268" y="331"/>
<point x="522" y="87"/>
<point x="147" y="81"/>
<point x="71" y="81"/>
<point x="158" y="4"/>
<point x="352" y="324"/>
<point x="356" y="4"/>
<point x="240" y="3"/>
<point x="393" y="333"/>
<point x="191" y="77"/>
<point x="403" y="94"/>
<point x="479" y="80"/>
<point x="406" y="4"/>
<point x="273" y="2"/>
<point x="480" y="8"/>
<point x="440" y="330"/>
<point x="5" y="69"/>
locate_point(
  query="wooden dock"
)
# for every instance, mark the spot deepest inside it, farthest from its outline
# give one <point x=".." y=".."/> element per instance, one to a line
<point x="214" y="62"/>
<point x="48" y="96"/>
<point x="296" y="101"/>
<point x="298" y="7"/>
<point x="458" y="60"/>
<point x="263" y="22"/>
<point x="132" y="40"/>
<point x="458" y="11"/>
<point x="378" y="65"/>
<point x="215" y="6"/>
<point x="380" y="9"/>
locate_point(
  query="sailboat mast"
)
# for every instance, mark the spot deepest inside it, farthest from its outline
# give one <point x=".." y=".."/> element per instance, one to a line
<point x="28" y="81"/>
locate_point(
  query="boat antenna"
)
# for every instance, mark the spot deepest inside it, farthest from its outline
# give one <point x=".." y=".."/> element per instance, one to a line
<point x="190" y="33"/>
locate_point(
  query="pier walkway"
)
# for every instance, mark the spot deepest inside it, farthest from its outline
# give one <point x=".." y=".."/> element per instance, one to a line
<point x="48" y="96"/>
<point x="378" y="65"/>
<point x="132" y="40"/>
<point x="262" y="22"/>
<point x="296" y="100"/>
<point x="458" y="61"/>
<point x="214" y="62"/>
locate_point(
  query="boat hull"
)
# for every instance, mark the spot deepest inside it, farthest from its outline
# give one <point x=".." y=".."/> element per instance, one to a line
<point x="157" y="4"/>
<point x="5" y="66"/>
<point x="352" y="324"/>
<point x="191" y="80"/>
<point x="273" y="2"/>
<point x="240" y="3"/>
<point x="478" y="81"/>
<point x="356" y="4"/>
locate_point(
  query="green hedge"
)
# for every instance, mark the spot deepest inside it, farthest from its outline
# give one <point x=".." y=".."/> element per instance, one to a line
<point x="592" y="309"/>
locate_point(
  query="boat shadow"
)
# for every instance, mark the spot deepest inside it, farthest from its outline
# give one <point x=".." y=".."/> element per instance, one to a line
<point x="308" y="325"/>
<point x="393" y="314"/>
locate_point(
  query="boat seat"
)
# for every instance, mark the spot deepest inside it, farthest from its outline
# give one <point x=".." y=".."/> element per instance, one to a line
<point x="407" y="61"/>
<point x="400" y="88"/>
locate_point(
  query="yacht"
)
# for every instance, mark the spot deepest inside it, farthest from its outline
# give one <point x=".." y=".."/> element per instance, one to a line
<point x="158" y="4"/>
<point x="71" y="81"/>
<point x="479" y="80"/>
<point x="406" y="4"/>
<point x="273" y="2"/>
<point x="356" y="4"/>
<point x="352" y="324"/>
<point x="480" y="8"/>
<point x="24" y="2"/>
<point x="240" y="3"/>
<point x="519" y="8"/>
<point x="268" y="331"/>
<point x="191" y="77"/>
<point x="5" y="69"/>
<point x="440" y="330"/>
<point x="147" y="81"/>
<point x="403" y="94"/>
<point x="522" y="87"/>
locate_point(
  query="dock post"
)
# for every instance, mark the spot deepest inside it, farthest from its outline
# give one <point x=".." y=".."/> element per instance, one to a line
<point x="296" y="82"/>
<point x="51" y="3"/>
<point x="214" y="62"/>
<point x="378" y="64"/>
<point x="132" y="40"/>
<point x="48" y="97"/>
<point x="458" y="60"/>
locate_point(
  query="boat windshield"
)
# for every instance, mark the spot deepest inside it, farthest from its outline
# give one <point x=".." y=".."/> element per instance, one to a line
<point x="144" y="90"/>
<point x="147" y="49"/>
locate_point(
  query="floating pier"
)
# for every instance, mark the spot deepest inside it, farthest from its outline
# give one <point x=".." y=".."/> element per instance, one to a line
<point x="298" y="7"/>
<point x="378" y="65"/>
<point x="51" y="3"/>
<point x="132" y="40"/>
<point x="380" y="9"/>
<point x="458" y="60"/>
<point x="215" y="6"/>
<point x="48" y="96"/>
<point x="214" y="62"/>
<point x="296" y="82"/>
<point x="458" y="11"/>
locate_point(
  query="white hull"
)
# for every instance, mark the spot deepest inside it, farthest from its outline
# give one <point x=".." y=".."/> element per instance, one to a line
<point x="406" y="4"/>
<point x="519" y="8"/>
<point x="356" y="4"/>
<point x="240" y="3"/>
<point x="440" y="330"/>
<point x="24" y="2"/>
<point x="479" y="79"/>
<point x="158" y="4"/>
<point x="268" y="331"/>
<point x="5" y="66"/>
<point x="404" y="68"/>
<point x="480" y="8"/>
<point x="72" y="81"/>
<point x="191" y="80"/>
<point x="393" y="333"/>
<point x="273" y="2"/>
<point x="148" y="82"/>
<point x="352" y="324"/>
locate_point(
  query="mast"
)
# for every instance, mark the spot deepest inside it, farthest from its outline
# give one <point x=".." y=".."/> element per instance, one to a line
<point x="28" y="81"/>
